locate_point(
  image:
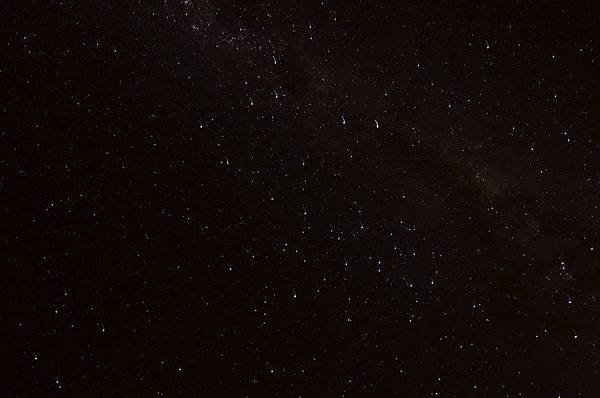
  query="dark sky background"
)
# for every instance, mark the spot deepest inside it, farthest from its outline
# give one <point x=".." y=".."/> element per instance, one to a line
<point x="300" y="199"/>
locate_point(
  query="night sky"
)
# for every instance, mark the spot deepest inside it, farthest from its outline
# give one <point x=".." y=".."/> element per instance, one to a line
<point x="213" y="198"/>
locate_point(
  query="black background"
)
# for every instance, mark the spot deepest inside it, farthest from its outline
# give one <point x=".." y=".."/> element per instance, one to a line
<point x="214" y="198"/>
